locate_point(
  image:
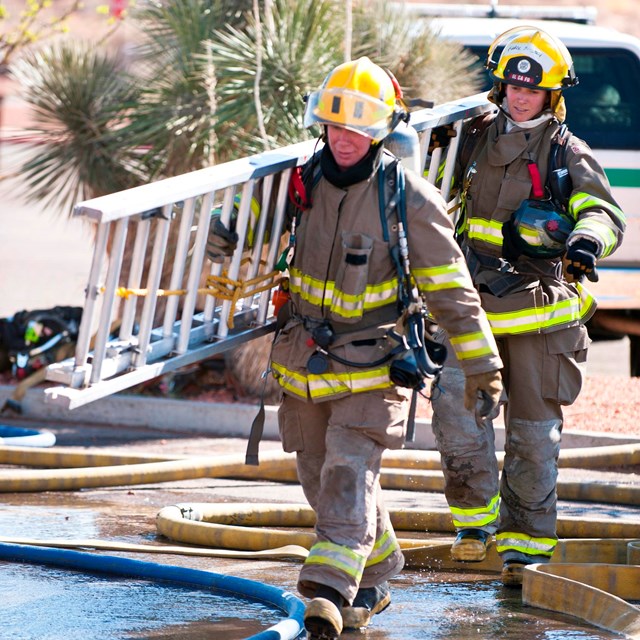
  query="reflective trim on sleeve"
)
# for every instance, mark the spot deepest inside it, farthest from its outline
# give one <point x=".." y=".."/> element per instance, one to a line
<point x="603" y="231"/>
<point x="477" y="516"/>
<point x="337" y="556"/>
<point x="474" y="345"/>
<point x="580" y="202"/>
<point x="512" y="541"/>
<point x="308" y="288"/>
<point x="447" y="276"/>
<point x="290" y="380"/>
<point x="489" y="231"/>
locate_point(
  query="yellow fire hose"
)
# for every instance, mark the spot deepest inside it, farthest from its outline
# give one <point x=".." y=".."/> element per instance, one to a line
<point x="249" y="530"/>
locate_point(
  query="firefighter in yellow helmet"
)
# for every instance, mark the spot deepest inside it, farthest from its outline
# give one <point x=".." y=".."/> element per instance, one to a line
<point x="345" y="374"/>
<point x="537" y="213"/>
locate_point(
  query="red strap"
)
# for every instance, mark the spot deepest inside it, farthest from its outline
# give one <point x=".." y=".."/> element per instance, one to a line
<point x="536" y="182"/>
<point x="297" y="190"/>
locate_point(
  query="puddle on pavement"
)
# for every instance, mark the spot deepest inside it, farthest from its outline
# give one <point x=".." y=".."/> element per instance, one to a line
<point x="45" y="603"/>
<point x="482" y="610"/>
<point x="48" y="522"/>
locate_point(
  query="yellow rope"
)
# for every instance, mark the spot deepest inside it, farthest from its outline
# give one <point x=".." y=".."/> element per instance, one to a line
<point x="124" y="292"/>
<point x="222" y="287"/>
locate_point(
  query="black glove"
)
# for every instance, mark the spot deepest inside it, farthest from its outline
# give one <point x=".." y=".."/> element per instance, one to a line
<point x="580" y="260"/>
<point x="222" y="242"/>
<point x="441" y="137"/>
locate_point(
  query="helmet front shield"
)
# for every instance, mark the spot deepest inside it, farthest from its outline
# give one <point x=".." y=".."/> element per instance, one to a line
<point x="349" y="109"/>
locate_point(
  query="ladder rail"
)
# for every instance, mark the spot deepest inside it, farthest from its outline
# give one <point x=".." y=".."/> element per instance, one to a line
<point x="147" y="346"/>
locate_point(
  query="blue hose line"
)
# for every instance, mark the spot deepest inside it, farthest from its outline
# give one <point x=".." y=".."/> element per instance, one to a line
<point x="287" y="629"/>
<point x="18" y="437"/>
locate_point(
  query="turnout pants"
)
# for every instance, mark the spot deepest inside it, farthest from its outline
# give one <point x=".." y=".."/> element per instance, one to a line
<point x="542" y="372"/>
<point x="339" y="446"/>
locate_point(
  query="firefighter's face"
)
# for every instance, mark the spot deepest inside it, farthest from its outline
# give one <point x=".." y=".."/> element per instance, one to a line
<point x="524" y="103"/>
<point x="348" y="147"/>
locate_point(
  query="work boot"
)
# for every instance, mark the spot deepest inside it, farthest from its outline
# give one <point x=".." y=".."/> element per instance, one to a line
<point x="512" y="573"/>
<point x="322" y="620"/>
<point x="368" y="602"/>
<point x="470" y="545"/>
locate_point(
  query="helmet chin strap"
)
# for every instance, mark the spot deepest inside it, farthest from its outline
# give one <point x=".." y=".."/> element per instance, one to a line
<point x="527" y="124"/>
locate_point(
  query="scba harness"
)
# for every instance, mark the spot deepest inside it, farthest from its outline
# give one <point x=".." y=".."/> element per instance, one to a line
<point x="416" y="357"/>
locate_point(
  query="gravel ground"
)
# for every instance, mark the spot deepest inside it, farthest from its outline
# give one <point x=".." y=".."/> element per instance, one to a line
<point x="608" y="404"/>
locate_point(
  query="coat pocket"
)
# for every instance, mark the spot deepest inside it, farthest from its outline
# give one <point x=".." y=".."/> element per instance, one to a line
<point x="290" y="428"/>
<point x="564" y="364"/>
<point x="348" y="298"/>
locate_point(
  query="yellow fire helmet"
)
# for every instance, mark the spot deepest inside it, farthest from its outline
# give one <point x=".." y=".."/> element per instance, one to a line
<point x="531" y="58"/>
<point x="360" y="96"/>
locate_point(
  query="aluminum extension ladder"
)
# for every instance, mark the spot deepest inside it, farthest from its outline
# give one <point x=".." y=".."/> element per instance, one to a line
<point x="136" y="224"/>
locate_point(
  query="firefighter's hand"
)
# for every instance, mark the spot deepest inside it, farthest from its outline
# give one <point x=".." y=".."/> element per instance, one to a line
<point x="441" y="137"/>
<point x="222" y="242"/>
<point x="580" y="260"/>
<point x="486" y="387"/>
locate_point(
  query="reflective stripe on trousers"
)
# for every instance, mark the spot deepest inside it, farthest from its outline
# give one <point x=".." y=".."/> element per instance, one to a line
<point x="339" y="446"/>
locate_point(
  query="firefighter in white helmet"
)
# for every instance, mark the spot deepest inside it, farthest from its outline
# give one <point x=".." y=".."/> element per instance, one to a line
<point x="536" y="215"/>
<point x="334" y="356"/>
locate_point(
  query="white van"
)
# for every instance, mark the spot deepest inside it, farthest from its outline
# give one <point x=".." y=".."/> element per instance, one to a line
<point x="603" y="109"/>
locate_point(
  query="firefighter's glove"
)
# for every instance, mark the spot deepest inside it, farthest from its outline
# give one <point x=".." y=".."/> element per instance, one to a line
<point x="485" y="388"/>
<point x="441" y="137"/>
<point x="580" y="260"/>
<point x="222" y="242"/>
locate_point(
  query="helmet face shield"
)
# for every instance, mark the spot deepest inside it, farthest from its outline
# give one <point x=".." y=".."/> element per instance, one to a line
<point x="349" y="109"/>
<point x="357" y="95"/>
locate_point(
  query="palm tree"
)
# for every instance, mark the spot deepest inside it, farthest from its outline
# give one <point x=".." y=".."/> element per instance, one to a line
<point x="190" y="99"/>
<point x="307" y="43"/>
<point x="79" y="97"/>
<point x="211" y="83"/>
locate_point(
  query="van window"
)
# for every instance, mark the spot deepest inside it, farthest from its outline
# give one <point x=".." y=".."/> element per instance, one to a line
<point x="604" y="107"/>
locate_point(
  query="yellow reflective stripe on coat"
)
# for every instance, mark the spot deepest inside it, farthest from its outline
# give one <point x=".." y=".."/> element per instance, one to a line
<point x="353" y="306"/>
<point x="489" y="231"/>
<point x="326" y="294"/>
<point x="477" y="516"/>
<point x="512" y="541"/>
<point x="446" y="276"/>
<point x="329" y="384"/>
<point x="337" y="556"/>
<point x="308" y="288"/>
<point x="581" y="201"/>
<point x="536" y="319"/>
<point x="385" y="545"/>
<point x="474" y="345"/>
<point x="290" y="380"/>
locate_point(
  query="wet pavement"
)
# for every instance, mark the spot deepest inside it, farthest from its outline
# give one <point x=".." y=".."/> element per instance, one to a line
<point x="426" y="603"/>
